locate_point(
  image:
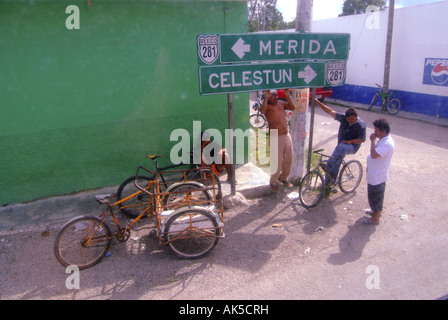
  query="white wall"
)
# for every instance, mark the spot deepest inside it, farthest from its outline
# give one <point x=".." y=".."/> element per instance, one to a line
<point x="419" y="32"/>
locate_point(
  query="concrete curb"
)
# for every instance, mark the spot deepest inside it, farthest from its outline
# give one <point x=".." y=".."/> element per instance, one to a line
<point x="252" y="182"/>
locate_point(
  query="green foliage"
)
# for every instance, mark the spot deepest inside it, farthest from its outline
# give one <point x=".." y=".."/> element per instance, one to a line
<point x="351" y="7"/>
<point x="264" y="16"/>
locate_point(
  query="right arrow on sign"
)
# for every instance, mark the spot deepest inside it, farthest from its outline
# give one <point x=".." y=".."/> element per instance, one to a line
<point x="308" y="74"/>
<point x="240" y="48"/>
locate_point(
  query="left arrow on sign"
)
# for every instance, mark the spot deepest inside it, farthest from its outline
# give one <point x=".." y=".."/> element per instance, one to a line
<point x="240" y="48"/>
<point x="308" y="74"/>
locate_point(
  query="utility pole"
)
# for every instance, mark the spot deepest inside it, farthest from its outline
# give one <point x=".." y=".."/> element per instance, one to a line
<point x="299" y="119"/>
<point x="304" y="13"/>
<point x="390" y="27"/>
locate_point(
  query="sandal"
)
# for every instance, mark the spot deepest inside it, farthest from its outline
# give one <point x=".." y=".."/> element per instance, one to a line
<point x="274" y="187"/>
<point x="366" y="220"/>
<point x="286" y="184"/>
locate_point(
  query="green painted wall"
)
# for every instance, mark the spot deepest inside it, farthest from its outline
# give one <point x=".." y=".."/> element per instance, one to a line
<point x="81" y="109"/>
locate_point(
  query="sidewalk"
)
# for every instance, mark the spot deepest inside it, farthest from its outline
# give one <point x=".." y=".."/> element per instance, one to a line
<point x="401" y="114"/>
<point x="252" y="182"/>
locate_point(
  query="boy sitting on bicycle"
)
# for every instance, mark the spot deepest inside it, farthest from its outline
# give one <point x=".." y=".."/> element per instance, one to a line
<point x="352" y="132"/>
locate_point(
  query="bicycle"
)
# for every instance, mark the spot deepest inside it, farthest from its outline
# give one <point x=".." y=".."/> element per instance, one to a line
<point x="189" y="224"/>
<point x="127" y="187"/>
<point x="258" y="120"/>
<point x="313" y="186"/>
<point x="391" y="105"/>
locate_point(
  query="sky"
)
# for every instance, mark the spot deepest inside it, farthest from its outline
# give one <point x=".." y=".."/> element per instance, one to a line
<point x="327" y="9"/>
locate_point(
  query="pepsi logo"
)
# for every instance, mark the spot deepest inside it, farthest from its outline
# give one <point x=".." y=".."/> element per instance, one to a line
<point x="439" y="74"/>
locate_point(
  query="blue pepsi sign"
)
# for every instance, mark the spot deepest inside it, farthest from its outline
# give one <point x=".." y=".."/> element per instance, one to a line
<point x="436" y="72"/>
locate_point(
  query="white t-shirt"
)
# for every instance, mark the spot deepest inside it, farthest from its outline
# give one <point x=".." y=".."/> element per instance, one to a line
<point x="378" y="169"/>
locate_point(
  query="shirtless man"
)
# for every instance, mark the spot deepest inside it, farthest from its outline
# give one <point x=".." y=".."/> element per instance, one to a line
<point x="274" y="110"/>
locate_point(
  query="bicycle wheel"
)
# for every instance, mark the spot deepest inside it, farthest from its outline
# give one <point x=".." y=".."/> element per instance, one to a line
<point x="372" y="103"/>
<point x="350" y="176"/>
<point x="311" y="189"/>
<point x="393" y="106"/>
<point x="257" y="120"/>
<point x="186" y="193"/>
<point x="192" y="233"/>
<point x="133" y="207"/>
<point x="83" y="242"/>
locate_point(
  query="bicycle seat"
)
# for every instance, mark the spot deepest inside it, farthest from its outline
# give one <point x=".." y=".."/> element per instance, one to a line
<point x="318" y="150"/>
<point x="154" y="156"/>
<point x="104" y="197"/>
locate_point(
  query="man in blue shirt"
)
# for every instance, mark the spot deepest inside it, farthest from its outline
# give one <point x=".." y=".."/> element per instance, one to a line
<point x="352" y="132"/>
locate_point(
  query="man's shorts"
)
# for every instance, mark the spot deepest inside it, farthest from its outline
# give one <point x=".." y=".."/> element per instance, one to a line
<point x="375" y="195"/>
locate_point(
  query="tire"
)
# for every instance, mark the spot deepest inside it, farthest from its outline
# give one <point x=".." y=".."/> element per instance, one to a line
<point x="393" y="106"/>
<point x="312" y="189"/>
<point x="177" y="194"/>
<point x="372" y="103"/>
<point x="257" y="120"/>
<point x="350" y="176"/>
<point x="133" y="207"/>
<point x="70" y="247"/>
<point x="192" y="233"/>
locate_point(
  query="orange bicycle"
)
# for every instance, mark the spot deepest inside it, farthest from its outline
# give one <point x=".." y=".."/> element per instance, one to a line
<point x="189" y="219"/>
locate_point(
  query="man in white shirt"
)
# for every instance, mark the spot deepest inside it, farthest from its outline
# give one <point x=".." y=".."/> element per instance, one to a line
<point x="378" y="164"/>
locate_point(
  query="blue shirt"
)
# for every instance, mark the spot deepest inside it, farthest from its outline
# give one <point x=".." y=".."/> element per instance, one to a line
<point x="349" y="131"/>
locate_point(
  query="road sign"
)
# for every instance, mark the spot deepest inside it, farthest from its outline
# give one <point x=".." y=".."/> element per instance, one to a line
<point x="252" y="77"/>
<point x="250" y="47"/>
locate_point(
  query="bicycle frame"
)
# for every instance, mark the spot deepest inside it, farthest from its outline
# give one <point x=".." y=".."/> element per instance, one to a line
<point x="385" y="96"/>
<point x="332" y="182"/>
<point x="158" y="207"/>
<point x="160" y="170"/>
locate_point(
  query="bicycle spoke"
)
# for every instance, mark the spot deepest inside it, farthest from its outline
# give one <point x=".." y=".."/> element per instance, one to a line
<point x="83" y="242"/>
<point x="311" y="189"/>
<point x="350" y="176"/>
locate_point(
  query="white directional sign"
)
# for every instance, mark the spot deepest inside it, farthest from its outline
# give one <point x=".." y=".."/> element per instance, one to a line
<point x="237" y="48"/>
<point x="251" y="77"/>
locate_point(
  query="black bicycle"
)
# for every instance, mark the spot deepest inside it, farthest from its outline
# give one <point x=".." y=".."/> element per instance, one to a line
<point x="312" y="188"/>
<point x="258" y="120"/>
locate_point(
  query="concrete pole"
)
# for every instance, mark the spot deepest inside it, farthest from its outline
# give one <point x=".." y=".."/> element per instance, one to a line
<point x="390" y="27"/>
<point x="299" y="118"/>
<point x="304" y="15"/>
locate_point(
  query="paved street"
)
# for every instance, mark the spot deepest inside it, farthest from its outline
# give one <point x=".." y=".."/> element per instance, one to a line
<point x="274" y="248"/>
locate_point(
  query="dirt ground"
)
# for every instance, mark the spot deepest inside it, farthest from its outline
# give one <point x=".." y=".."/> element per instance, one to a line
<point x="274" y="248"/>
